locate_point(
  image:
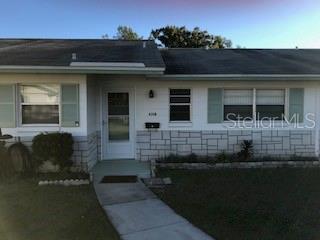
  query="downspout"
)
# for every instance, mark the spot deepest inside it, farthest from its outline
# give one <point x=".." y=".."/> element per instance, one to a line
<point x="317" y="119"/>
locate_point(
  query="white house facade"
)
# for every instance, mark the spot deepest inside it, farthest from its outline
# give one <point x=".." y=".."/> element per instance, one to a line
<point x="130" y="100"/>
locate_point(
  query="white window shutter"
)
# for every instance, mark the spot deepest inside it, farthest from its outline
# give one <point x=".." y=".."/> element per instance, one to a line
<point x="70" y="116"/>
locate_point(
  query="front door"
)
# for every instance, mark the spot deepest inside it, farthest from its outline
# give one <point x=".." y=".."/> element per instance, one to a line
<point x="119" y="125"/>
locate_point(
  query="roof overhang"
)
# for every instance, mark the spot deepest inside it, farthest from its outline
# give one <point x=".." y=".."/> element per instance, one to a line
<point x="240" y="77"/>
<point x="84" y="69"/>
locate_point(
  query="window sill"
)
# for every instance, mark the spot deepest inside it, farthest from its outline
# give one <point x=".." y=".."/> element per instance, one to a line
<point x="32" y="129"/>
<point x="38" y="125"/>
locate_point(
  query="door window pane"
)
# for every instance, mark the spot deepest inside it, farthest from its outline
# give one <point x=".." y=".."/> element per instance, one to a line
<point x="118" y="104"/>
<point x="118" y="116"/>
<point x="118" y="128"/>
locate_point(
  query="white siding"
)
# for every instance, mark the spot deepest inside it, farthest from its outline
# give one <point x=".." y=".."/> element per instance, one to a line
<point x="199" y="89"/>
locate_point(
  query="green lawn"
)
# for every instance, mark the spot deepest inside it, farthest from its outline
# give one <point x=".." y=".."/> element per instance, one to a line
<point x="29" y="212"/>
<point x="248" y="204"/>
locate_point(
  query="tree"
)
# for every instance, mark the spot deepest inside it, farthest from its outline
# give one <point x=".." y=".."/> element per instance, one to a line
<point x="126" y="33"/>
<point x="181" y="37"/>
<point x="105" y="36"/>
<point x="221" y="42"/>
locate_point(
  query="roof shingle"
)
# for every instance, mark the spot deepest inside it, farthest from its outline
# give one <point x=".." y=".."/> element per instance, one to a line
<point x="241" y="61"/>
<point x="58" y="52"/>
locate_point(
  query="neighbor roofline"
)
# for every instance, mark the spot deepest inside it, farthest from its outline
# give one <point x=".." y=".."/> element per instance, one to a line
<point x="82" y="70"/>
<point x="75" y="39"/>
<point x="240" y="77"/>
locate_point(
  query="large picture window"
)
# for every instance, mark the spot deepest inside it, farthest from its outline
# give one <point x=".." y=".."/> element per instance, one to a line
<point x="180" y="104"/>
<point x="238" y="104"/>
<point x="39" y="103"/>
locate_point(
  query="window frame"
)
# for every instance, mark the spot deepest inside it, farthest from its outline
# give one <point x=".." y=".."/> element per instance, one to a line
<point x="180" y="104"/>
<point x="254" y="102"/>
<point x="20" y="104"/>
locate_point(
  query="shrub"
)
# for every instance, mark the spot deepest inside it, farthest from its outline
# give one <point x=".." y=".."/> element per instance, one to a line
<point x="191" y="158"/>
<point x="20" y="157"/>
<point x="54" y="147"/>
<point x="224" y="157"/>
<point x="246" y="150"/>
<point x="302" y="158"/>
<point x="6" y="169"/>
<point x="221" y="157"/>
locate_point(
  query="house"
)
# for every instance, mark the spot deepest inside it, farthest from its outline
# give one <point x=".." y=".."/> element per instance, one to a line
<point x="131" y="100"/>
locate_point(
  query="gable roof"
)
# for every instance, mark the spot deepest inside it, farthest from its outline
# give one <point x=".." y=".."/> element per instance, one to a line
<point x="143" y="57"/>
<point x="241" y="61"/>
<point x="58" y="52"/>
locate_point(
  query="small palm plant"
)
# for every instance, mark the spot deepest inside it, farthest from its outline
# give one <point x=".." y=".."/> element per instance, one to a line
<point x="246" y="150"/>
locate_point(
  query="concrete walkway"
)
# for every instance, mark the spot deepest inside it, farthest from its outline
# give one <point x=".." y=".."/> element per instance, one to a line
<point x="138" y="214"/>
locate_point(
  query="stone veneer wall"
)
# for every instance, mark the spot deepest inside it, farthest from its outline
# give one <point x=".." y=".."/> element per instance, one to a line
<point x="152" y="144"/>
<point x="99" y="145"/>
<point x="85" y="154"/>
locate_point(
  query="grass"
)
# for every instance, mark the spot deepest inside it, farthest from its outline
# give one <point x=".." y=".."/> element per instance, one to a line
<point x="248" y="204"/>
<point x="29" y="212"/>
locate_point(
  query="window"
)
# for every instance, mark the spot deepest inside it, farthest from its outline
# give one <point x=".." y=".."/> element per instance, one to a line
<point x="118" y="116"/>
<point x="270" y="104"/>
<point x="39" y="104"/>
<point x="180" y="104"/>
<point x="238" y="104"/>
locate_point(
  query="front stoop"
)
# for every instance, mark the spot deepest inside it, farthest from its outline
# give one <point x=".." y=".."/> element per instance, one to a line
<point x="138" y="214"/>
<point x="120" y="168"/>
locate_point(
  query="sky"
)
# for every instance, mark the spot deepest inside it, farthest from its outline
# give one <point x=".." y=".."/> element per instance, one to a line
<point x="248" y="23"/>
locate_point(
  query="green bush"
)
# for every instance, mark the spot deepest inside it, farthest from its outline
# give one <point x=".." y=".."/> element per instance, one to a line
<point x="222" y="157"/>
<point x="54" y="147"/>
<point x="6" y="168"/>
<point x="20" y="157"/>
<point x="191" y="158"/>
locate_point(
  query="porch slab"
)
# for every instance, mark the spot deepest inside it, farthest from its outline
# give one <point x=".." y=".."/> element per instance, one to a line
<point x="120" y="168"/>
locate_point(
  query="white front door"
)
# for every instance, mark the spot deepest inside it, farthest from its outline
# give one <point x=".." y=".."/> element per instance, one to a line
<point x="119" y="122"/>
